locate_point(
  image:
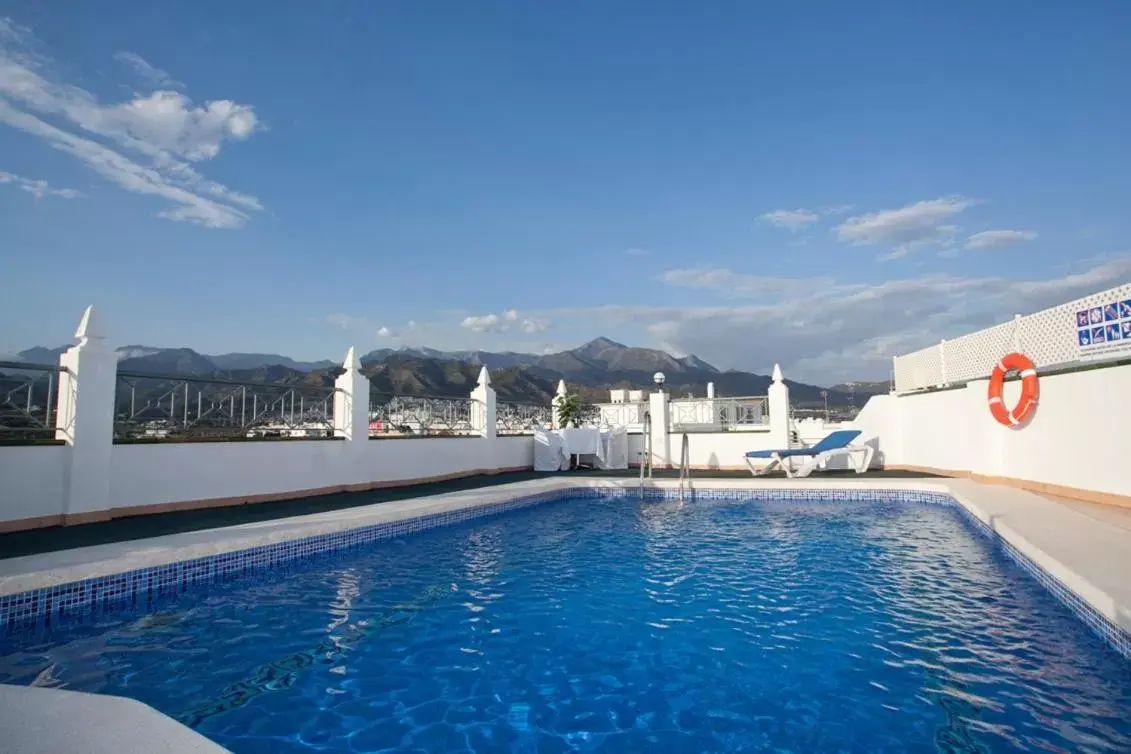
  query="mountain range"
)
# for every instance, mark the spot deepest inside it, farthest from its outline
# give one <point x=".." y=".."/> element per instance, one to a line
<point x="589" y="370"/>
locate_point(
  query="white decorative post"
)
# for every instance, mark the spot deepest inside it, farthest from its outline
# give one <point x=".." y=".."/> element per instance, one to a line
<point x="778" y="400"/>
<point x="85" y="420"/>
<point x="659" y="410"/>
<point x="483" y="412"/>
<point x="351" y="401"/>
<point x="557" y="411"/>
<point x="942" y="362"/>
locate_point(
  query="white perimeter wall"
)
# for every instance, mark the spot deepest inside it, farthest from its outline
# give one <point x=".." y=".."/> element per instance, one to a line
<point x="32" y="478"/>
<point x="708" y="450"/>
<point x="1073" y="440"/>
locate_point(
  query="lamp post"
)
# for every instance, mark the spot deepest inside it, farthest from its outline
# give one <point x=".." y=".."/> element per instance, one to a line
<point x="825" y="395"/>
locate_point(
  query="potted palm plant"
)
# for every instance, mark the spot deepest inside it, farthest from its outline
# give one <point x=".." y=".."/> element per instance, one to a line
<point x="569" y="415"/>
<point x="569" y="410"/>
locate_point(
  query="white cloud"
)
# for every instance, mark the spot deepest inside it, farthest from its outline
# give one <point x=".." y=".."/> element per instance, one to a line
<point x="636" y="252"/>
<point x="154" y="78"/>
<point x="508" y="321"/>
<point x="991" y="239"/>
<point x="164" y="129"/>
<point x="127" y="174"/>
<point x="908" y="228"/>
<point x="834" y="331"/>
<point x="739" y="284"/>
<point x="531" y="325"/>
<point x="384" y="332"/>
<point x="483" y="323"/>
<point x="37" y="188"/>
<point x="821" y="331"/>
<point x="793" y="219"/>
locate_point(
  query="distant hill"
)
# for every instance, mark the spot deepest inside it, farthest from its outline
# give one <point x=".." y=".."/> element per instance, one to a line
<point x="590" y="370"/>
<point x="864" y="390"/>
<point x="256" y="360"/>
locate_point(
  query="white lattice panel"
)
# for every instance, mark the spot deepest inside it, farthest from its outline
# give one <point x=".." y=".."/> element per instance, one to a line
<point x="1093" y="328"/>
<point x="974" y="355"/>
<point x="918" y="370"/>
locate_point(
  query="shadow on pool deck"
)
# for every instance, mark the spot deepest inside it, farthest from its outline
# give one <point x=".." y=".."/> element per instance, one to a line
<point x="54" y="538"/>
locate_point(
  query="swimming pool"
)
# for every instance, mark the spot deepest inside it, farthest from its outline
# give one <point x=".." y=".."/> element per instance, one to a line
<point x="613" y="623"/>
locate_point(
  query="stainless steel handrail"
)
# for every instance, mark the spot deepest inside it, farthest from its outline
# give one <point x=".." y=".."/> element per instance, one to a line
<point x="684" y="466"/>
<point x="646" y="453"/>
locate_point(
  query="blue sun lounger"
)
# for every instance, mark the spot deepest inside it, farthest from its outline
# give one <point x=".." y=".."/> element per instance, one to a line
<point x="836" y="444"/>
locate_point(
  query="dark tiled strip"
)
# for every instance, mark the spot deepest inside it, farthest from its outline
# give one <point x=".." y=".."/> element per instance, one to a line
<point x="43" y="608"/>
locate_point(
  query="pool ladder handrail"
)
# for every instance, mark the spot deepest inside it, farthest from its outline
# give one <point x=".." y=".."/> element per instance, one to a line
<point x="684" y="466"/>
<point x="646" y="453"/>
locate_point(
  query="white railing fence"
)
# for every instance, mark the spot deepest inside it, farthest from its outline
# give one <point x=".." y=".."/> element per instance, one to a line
<point x="1093" y="328"/>
<point x="719" y="414"/>
<point x="629" y="415"/>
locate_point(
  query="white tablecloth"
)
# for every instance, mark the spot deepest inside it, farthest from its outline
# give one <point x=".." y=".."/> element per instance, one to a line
<point x="553" y="448"/>
<point x="580" y="441"/>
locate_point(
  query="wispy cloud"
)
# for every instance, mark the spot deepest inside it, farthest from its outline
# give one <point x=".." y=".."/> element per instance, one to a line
<point x="792" y="219"/>
<point x="733" y="283"/>
<point x="992" y="239"/>
<point x="37" y="188"/>
<point x="154" y="78"/>
<point x="507" y="321"/>
<point x="164" y="129"/>
<point x="636" y="252"/>
<point x="907" y="228"/>
<point x="830" y="331"/>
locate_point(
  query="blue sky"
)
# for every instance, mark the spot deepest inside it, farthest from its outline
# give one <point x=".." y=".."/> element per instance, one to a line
<point x="820" y="184"/>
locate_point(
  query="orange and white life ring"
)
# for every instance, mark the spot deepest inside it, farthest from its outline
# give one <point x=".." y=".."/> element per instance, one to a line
<point x="1018" y="415"/>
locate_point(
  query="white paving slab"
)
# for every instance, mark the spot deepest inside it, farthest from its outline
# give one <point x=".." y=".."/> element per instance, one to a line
<point x="52" y="721"/>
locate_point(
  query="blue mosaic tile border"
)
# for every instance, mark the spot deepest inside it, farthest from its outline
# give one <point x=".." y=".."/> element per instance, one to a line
<point x="43" y="608"/>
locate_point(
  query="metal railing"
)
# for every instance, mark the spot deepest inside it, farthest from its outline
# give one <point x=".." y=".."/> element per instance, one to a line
<point x="28" y="400"/>
<point x="419" y="416"/>
<point x="150" y="406"/>
<point x="718" y="414"/>
<point x="684" y="466"/>
<point x="521" y="418"/>
<point x="590" y="415"/>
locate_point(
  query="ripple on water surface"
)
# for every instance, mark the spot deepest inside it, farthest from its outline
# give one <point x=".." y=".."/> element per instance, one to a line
<point x="624" y="626"/>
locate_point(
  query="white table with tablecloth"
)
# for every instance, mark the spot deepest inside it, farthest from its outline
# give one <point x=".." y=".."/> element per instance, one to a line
<point x="553" y="449"/>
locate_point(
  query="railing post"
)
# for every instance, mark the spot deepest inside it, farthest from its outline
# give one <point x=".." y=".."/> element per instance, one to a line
<point x="351" y="401"/>
<point x="777" y="401"/>
<point x="484" y="416"/>
<point x="942" y="363"/>
<point x="658" y="407"/>
<point x="85" y="421"/>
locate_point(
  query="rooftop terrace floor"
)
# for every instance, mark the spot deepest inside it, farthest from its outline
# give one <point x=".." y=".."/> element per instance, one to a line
<point x="56" y="538"/>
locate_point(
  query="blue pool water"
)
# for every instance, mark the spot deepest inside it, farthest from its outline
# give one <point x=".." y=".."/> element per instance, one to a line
<point x="620" y="625"/>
